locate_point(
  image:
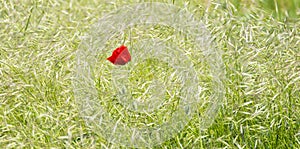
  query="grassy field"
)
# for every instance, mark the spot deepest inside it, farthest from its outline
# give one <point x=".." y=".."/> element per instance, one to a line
<point x="260" y="41"/>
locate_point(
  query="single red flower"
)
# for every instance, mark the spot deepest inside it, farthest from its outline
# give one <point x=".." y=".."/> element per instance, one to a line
<point x="120" y="56"/>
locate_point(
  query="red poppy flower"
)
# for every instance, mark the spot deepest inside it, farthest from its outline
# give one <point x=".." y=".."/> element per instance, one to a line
<point x="120" y="56"/>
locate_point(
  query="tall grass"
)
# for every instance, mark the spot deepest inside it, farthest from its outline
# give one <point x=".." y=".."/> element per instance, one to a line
<point x="38" y="40"/>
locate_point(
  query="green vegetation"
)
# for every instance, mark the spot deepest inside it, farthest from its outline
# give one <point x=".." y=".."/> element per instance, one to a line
<point x="260" y="40"/>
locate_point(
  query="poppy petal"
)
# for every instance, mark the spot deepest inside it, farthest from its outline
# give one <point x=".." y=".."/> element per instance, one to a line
<point x="120" y="56"/>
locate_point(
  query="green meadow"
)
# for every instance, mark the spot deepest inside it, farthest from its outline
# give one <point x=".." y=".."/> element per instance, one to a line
<point x="259" y="40"/>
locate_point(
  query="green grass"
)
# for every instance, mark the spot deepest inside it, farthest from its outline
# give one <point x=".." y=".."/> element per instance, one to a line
<point x="260" y="41"/>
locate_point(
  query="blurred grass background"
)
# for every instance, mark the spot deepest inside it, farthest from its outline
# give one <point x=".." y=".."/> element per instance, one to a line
<point x="260" y="40"/>
<point x="282" y="8"/>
